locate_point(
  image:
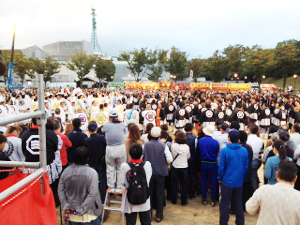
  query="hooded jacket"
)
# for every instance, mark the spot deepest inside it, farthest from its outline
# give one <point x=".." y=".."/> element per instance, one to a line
<point x="233" y="165"/>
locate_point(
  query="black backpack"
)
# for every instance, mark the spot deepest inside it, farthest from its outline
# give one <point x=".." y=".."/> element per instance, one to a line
<point x="138" y="191"/>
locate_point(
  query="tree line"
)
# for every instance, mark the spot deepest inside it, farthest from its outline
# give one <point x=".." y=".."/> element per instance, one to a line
<point x="234" y="62"/>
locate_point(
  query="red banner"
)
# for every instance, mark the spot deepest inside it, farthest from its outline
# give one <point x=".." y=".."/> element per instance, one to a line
<point x="27" y="206"/>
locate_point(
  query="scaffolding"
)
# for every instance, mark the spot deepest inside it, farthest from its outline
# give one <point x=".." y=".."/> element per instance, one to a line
<point x="41" y="166"/>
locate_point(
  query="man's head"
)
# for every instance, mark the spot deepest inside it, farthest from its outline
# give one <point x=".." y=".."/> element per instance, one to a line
<point x="296" y="128"/>
<point x="224" y="127"/>
<point x="136" y="151"/>
<point x="164" y="135"/>
<point x="287" y="172"/>
<point x="218" y="123"/>
<point x="244" y="137"/>
<point x="82" y="155"/>
<point x="113" y="113"/>
<point x="92" y="127"/>
<point x="155" y="133"/>
<point x="235" y="125"/>
<point x="284" y="136"/>
<point x="164" y="127"/>
<point x="56" y="126"/>
<point x="234" y="136"/>
<point x="76" y="123"/>
<point x="188" y="128"/>
<point x="253" y="129"/>
<point x="57" y="111"/>
<point x="3" y="141"/>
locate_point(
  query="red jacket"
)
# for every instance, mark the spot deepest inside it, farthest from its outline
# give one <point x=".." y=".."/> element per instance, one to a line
<point x="63" y="151"/>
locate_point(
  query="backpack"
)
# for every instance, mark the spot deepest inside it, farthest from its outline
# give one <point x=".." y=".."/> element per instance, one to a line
<point x="138" y="191"/>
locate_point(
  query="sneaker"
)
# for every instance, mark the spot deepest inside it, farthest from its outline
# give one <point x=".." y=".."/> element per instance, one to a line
<point x="204" y="202"/>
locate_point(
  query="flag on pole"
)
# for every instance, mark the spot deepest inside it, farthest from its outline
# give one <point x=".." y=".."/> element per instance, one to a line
<point x="191" y="73"/>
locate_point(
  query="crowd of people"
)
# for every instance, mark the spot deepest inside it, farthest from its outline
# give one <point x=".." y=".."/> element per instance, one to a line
<point x="170" y="143"/>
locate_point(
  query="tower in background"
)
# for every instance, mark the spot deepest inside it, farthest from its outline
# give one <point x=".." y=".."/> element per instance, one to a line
<point x="94" y="38"/>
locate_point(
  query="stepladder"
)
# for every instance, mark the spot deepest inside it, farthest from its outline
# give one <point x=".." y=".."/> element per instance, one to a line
<point x="108" y="202"/>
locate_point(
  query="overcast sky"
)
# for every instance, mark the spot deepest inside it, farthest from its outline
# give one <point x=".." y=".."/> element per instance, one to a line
<point x="190" y="25"/>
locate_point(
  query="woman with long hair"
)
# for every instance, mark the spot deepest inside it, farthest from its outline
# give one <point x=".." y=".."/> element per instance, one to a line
<point x="181" y="153"/>
<point x="273" y="162"/>
<point x="145" y="135"/>
<point x="133" y="138"/>
<point x="69" y="127"/>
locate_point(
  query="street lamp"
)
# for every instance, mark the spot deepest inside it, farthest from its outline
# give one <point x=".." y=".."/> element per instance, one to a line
<point x="295" y="77"/>
<point x="245" y="78"/>
<point x="112" y="77"/>
<point x="236" y="77"/>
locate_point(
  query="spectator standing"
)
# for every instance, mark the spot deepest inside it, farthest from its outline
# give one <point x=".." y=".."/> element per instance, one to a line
<point x="208" y="151"/>
<point x="76" y="136"/>
<point x="247" y="187"/>
<point x="192" y="142"/>
<point x="130" y="210"/>
<point x="257" y="145"/>
<point x="181" y="153"/>
<point x="133" y="137"/>
<point x="159" y="155"/>
<point x="272" y="162"/>
<point x="277" y="204"/>
<point x="295" y="135"/>
<point x="96" y="144"/>
<point x="232" y="170"/>
<point x="13" y="146"/>
<point x="78" y="191"/>
<point x="115" y="150"/>
<point x="144" y="137"/>
<point x="3" y="156"/>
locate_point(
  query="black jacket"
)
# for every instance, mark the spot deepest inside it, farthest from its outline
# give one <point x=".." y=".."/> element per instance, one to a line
<point x="31" y="145"/>
<point x="97" y="147"/>
<point x="250" y="156"/>
<point x="77" y="138"/>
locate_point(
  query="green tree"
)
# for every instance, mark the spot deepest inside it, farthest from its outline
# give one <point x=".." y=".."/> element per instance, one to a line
<point x="214" y="66"/>
<point x="177" y="64"/>
<point x="139" y="61"/>
<point x="198" y="68"/>
<point x="51" y="68"/>
<point x="287" y="60"/>
<point x="104" y="69"/>
<point x="48" y="67"/>
<point x="23" y="67"/>
<point x="160" y="59"/>
<point x="81" y="63"/>
<point x="235" y="56"/>
<point x="259" y="61"/>
<point x="6" y="56"/>
<point x="287" y="42"/>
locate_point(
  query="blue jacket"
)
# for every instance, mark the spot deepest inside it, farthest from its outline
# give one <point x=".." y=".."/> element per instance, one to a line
<point x="208" y="149"/>
<point x="233" y="165"/>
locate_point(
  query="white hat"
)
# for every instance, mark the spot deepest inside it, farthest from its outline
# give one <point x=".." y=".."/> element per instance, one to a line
<point x="209" y="130"/>
<point x="155" y="132"/>
<point x="113" y="113"/>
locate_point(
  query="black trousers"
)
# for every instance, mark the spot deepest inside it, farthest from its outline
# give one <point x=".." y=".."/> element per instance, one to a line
<point x="145" y="218"/>
<point x="157" y="192"/>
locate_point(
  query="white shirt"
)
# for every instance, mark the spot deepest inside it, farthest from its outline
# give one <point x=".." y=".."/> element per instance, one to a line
<point x="184" y="154"/>
<point x="256" y="143"/>
<point x="84" y="120"/>
<point x="134" y="116"/>
<point x="149" y="117"/>
<point x="276" y="204"/>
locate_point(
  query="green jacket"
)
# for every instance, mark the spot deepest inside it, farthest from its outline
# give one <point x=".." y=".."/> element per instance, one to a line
<point x="2" y="64"/>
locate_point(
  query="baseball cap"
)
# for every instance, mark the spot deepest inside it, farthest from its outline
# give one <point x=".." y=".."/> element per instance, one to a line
<point x="234" y="135"/>
<point x="92" y="127"/>
<point x="113" y="113"/>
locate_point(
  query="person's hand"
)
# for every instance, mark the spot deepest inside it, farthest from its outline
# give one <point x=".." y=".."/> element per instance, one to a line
<point x="69" y="209"/>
